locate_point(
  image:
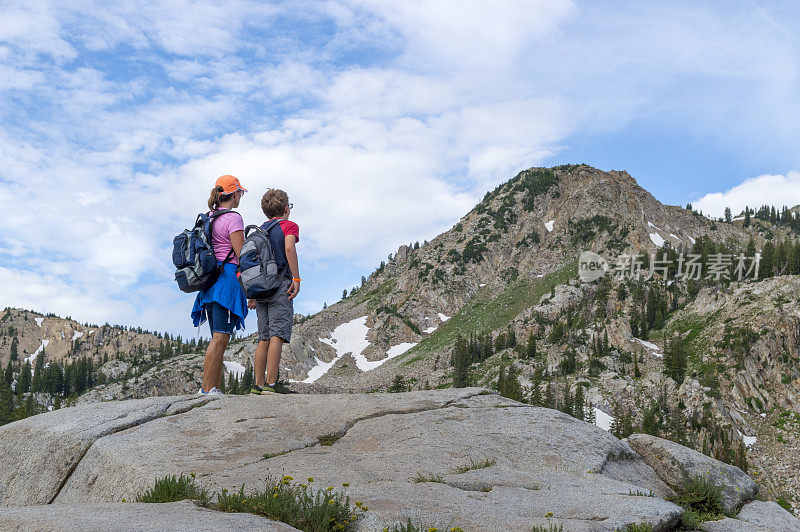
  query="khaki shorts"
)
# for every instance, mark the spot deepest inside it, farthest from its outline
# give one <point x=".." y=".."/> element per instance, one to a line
<point x="276" y="314"/>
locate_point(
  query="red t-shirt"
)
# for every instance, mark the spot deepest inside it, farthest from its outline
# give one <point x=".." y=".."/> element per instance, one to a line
<point x="278" y="240"/>
<point x="290" y="228"/>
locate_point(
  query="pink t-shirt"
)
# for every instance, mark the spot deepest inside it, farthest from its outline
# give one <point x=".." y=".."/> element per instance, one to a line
<point x="225" y="225"/>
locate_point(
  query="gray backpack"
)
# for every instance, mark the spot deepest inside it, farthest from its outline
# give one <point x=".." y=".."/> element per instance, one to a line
<point x="258" y="270"/>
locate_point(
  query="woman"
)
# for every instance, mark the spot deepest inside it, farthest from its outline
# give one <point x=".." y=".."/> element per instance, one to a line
<point x="223" y="304"/>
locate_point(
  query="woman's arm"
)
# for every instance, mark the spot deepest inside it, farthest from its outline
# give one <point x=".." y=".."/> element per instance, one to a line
<point x="237" y="241"/>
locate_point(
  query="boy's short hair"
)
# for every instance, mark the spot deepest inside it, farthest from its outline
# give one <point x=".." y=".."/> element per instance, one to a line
<point x="274" y="202"/>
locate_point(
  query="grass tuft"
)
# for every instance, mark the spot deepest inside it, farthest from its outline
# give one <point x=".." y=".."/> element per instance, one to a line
<point x="548" y="528"/>
<point x="428" y="478"/>
<point x="473" y="464"/>
<point x="408" y="526"/>
<point x="329" y="439"/>
<point x="174" y="489"/>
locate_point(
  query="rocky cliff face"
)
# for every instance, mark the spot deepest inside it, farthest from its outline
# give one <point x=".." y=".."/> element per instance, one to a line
<point x="404" y="456"/>
<point x="527" y="228"/>
<point x="64" y="339"/>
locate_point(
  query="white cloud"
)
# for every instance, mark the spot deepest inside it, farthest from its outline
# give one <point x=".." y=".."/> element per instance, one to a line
<point x="777" y="190"/>
<point x="384" y="121"/>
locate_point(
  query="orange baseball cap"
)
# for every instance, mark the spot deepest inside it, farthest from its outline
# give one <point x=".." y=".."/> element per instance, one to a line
<point x="229" y="184"/>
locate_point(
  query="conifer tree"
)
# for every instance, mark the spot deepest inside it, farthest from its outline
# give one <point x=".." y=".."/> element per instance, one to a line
<point x="746" y="222"/>
<point x="530" y="351"/>
<point x="579" y="404"/>
<point x="8" y="376"/>
<point x="460" y="363"/>
<point x="634" y="323"/>
<point x="675" y="360"/>
<point x="398" y="384"/>
<point x="14" y="349"/>
<point x="6" y="403"/>
<point x="38" y="373"/>
<point x="591" y="415"/>
<point x="511" y="338"/>
<point x="248" y="377"/>
<point x="767" y="261"/>
<point x="536" y="385"/>
<point x="24" y="379"/>
<point x="567" y="404"/>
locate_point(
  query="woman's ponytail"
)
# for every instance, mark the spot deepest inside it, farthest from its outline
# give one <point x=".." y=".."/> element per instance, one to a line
<point x="214" y="200"/>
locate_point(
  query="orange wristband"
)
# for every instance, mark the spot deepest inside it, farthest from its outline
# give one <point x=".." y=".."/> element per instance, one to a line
<point x="297" y="280"/>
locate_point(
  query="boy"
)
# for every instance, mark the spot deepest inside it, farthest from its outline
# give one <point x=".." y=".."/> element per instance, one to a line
<point x="276" y="314"/>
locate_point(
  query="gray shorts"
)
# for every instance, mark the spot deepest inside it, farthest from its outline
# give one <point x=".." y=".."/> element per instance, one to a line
<point x="276" y="314"/>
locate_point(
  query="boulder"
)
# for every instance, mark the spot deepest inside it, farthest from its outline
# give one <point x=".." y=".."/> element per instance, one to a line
<point x="457" y="457"/>
<point x="126" y="517"/>
<point x="769" y="515"/>
<point x="732" y="525"/>
<point x="41" y="452"/>
<point x="676" y="465"/>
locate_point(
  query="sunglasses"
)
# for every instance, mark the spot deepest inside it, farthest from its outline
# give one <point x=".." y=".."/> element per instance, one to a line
<point x="291" y="206"/>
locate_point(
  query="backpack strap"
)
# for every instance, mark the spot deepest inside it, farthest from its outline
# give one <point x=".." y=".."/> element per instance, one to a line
<point x="270" y="224"/>
<point x="213" y="218"/>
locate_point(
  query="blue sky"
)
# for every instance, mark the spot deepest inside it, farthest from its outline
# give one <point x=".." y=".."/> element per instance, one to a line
<point x="384" y="121"/>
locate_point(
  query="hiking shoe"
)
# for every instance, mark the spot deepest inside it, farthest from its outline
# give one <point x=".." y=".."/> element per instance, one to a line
<point x="214" y="391"/>
<point x="256" y="390"/>
<point x="278" y="387"/>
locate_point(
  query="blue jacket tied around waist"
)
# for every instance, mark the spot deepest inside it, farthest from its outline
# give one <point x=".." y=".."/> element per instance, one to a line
<point x="227" y="292"/>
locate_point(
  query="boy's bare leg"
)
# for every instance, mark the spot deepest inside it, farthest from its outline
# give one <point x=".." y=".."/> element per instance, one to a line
<point x="273" y="358"/>
<point x="260" y="365"/>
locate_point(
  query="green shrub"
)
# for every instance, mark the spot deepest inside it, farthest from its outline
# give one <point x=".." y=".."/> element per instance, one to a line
<point x="172" y="489"/>
<point x="783" y="503"/>
<point x="295" y="505"/>
<point x="701" y="500"/>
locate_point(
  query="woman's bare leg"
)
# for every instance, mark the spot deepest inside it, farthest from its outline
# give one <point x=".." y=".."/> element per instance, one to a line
<point x="212" y="366"/>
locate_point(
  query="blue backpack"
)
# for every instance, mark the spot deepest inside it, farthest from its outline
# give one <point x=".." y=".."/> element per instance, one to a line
<point x="258" y="270"/>
<point x="193" y="254"/>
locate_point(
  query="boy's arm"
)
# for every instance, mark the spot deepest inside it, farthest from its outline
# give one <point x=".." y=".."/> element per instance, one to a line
<point x="291" y="258"/>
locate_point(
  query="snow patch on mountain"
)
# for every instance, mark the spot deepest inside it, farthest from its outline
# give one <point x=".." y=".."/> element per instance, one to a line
<point x="350" y="337"/>
<point x="549" y="226"/>
<point x="430" y="329"/>
<point x="38" y="321"/>
<point x="443" y="317"/>
<point x="655" y="350"/>
<point x="397" y="350"/>
<point x="76" y="335"/>
<point x="602" y="419"/>
<point x="32" y="359"/>
<point x="657" y="240"/>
